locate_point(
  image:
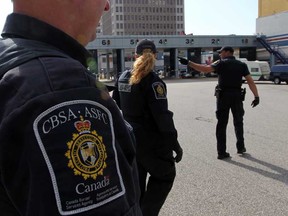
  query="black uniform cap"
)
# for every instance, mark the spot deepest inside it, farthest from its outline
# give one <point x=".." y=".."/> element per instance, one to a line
<point x="226" y="48"/>
<point x="145" y="44"/>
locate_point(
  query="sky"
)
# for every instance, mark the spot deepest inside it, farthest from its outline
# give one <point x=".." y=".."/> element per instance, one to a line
<point x="202" y="17"/>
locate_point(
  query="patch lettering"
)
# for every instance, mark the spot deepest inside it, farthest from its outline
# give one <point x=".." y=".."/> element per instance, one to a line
<point x="78" y="144"/>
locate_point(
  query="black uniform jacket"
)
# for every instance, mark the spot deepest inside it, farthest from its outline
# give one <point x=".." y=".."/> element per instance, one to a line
<point x="64" y="146"/>
<point x="145" y="106"/>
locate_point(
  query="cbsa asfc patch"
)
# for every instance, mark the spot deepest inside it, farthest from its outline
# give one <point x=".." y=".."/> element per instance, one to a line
<point x="77" y="142"/>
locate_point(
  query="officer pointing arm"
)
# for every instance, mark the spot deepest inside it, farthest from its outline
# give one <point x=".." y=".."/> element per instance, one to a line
<point x="229" y="95"/>
<point x="211" y="68"/>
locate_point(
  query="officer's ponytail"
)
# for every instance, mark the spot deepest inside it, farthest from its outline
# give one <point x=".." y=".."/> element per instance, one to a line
<point x="142" y="66"/>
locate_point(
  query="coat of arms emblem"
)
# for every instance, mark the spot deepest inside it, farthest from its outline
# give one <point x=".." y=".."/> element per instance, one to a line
<point x="86" y="151"/>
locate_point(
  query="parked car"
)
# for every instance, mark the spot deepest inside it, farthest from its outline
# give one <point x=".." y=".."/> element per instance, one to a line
<point x="279" y="73"/>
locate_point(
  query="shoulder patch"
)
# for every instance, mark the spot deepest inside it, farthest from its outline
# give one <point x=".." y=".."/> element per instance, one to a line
<point x="124" y="87"/>
<point x="77" y="142"/>
<point x="159" y="90"/>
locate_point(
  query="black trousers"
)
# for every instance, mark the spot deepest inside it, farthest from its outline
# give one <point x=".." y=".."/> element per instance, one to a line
<point x="155" y="161"/>
<point x="226" y="101"/>
<point x="154" y="191"/>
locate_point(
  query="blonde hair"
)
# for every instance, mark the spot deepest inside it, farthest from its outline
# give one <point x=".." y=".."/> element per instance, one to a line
<point x="142" y="66"/>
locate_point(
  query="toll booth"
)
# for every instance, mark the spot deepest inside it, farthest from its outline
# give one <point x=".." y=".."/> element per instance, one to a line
<point x="109" y="51"/>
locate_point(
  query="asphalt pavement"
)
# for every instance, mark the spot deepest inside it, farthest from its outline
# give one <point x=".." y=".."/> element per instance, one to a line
<point x="255" y="184"/>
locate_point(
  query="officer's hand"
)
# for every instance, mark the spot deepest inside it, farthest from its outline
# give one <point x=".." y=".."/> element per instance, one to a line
<point x="255" y="102"/>
<point x="183" y="61"/>
<point x="179" y="154"/>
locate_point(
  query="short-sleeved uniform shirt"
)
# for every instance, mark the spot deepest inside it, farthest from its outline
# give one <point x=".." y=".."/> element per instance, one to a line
<point x="230" y="72"/>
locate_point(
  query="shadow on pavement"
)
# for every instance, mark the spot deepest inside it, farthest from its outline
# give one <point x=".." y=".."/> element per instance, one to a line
<point x="281" y="175"/>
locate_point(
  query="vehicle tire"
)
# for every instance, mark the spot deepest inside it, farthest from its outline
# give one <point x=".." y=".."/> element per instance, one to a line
<point x="286" y="82"/>
<point x="277" y="80"/>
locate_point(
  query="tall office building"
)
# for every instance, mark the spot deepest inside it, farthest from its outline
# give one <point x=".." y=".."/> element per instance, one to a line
<point x="143" y="17"/>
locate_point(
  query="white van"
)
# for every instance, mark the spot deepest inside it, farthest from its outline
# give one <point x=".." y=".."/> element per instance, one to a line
<point x="259" y="70"/>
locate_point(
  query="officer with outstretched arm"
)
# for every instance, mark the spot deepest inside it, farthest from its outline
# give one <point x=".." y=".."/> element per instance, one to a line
<point x="229" y="95"/>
